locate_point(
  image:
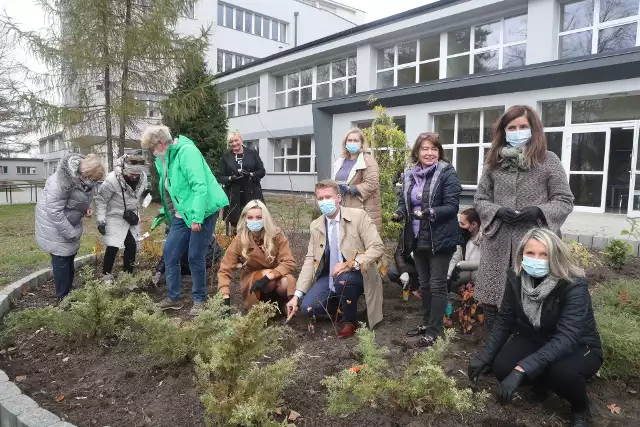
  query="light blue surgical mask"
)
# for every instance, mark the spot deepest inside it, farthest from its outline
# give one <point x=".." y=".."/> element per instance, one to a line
<point x="353" y="147"/>
<point x="255" y="226"/>
<point x="535" y="267"/>
<point x="518" y="138"/>
<point x="327" y="207"/>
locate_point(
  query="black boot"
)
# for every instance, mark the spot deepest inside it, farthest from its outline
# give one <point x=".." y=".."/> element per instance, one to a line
<point x="580" y="419"/>
<point x="490" y="313"/>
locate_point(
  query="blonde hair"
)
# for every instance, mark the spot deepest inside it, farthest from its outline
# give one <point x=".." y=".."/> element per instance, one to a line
<point x="233" y="134"/>
<point x="562" y="265"/>
<point x="153" y="135"/>
<point x="328" y="183"/>
<point x="92" y="168"/>
<point x="268" y="232"/>
<point x="363" y="141"/>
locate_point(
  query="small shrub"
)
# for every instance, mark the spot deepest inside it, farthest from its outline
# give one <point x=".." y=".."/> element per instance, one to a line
<point x="238" y="386"/>
<point x="617" y="312"/>
<point x="174" y="340"/>
<point x="151" y="250"/>
<point x="583" y="257"/>
<point x="616" y="253"/>
<point x="92" y="312"/>
<point x="423" y="386"/>
<point x="634" y="229"/>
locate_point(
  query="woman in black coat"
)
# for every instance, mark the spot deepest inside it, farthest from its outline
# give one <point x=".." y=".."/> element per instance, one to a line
<point x="240" y="172"/>
<point x="546" y="311"/>
<point x="428" y="207"/>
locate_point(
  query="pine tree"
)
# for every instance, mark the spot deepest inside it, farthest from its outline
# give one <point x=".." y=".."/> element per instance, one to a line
<point x="206" y="125"/>
<point x="107" y="61"/>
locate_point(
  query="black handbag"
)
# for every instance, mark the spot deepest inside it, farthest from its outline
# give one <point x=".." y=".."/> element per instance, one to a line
<point x="130" y="216"/>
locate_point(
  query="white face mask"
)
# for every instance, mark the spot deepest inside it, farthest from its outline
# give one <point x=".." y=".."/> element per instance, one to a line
<point x="518" y="138"/>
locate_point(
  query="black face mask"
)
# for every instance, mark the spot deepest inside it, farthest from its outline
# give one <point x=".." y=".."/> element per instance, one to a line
<point x="466" y="234"/>
<point x="133" y="182"/>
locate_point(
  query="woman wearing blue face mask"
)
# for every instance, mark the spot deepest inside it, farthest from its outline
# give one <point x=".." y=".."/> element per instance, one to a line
<point x="522" y="186"/>
<point x="357" y="174"/>
<point x="262" y="250"/>
<point x="546" y="311"/>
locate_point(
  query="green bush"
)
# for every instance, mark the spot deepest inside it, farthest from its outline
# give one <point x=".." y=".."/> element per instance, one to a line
<point x="239" y="385"/>
<point x="93" y="311"/>
<point x="423" y="386"/>
<point x="174" y="340"/>
<point x="616" y="253"/>
<point x="617" y="312"/>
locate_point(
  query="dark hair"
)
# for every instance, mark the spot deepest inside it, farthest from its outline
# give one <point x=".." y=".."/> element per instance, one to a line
<point x="433" y="138"/>
<point x="328" y="183"/>
<point x="472" y="215"/>
<point x="536" y="149"/>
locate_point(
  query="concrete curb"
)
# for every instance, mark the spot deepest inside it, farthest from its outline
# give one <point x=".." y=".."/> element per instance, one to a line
<point x="17" y="409"/>
<point x="599" y="243"/>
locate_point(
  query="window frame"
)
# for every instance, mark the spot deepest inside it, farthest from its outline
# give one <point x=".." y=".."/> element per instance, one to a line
<point x="236" y="91"/>
<point x="4" y="170"/>
<point x="250" y="27"/>
<point x="481" y="145"/>
<point x="443" y="56"/>
<point x="298" y="156"/>
<point x="298" y="88"/>
<point x="348" y="76"/>
<point x="26" y="170"/>
<point x="595" y="27"/>
<point x="222" y="54"/>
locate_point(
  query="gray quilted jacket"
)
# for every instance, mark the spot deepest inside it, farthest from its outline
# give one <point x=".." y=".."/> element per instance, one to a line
<point x="61" y="207"/>
<point x="546" y="187"/>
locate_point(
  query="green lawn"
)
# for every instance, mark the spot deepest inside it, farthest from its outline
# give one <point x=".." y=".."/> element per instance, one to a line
<point x="20" y="254"/>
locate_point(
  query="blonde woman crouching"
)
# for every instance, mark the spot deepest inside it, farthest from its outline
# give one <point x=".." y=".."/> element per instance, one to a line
<point x="264" y="253"/>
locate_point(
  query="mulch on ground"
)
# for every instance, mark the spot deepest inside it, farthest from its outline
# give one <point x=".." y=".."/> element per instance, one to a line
<point x="112" y="384"/>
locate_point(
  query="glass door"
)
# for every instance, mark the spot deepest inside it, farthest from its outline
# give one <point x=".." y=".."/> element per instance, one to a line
<point x="634" y="186"/>
<point x="587" y="164"/>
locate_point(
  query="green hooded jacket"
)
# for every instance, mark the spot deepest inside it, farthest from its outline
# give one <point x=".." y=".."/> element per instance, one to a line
<point x="194" y="191"/>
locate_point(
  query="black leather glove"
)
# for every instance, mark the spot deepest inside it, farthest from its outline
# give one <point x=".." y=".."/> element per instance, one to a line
<point x="455" y="274"/>
<point x="233" y="178"/>
<point x="102" y="228"/>
<point x="422" y="215"/>
<point x="259" y="284"/>
<point x="245" y="173"/>
<point x="507" y="215"/>
<point x="509" y="385"/>
<point x="476" y="368"/>
<point x="397" y="217"/>
<point x="529" y="214"/>
<point x="145" y="193"/>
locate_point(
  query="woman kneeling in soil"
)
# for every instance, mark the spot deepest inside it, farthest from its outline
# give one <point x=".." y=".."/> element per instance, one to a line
<point x="546" y="310"/>
<point x="264" y="252"/>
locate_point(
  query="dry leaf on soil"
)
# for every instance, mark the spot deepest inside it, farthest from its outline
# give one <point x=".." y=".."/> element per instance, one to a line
<point x="293" y="415"/>
<point x="615" y="409"/>
<point x="20" y="378"/>
<point x="60" y="398"/>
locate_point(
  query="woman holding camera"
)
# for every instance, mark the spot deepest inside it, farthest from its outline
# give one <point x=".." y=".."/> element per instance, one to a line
<point x="118" y="209"/>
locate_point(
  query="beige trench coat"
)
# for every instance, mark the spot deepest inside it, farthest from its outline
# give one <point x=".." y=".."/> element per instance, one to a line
<point x="358" y="236"/>
<point x="365" y="175"/>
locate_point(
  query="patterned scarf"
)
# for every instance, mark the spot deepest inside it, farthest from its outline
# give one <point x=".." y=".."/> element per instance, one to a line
<point x="533" y="296"/>
<point x="513" y="160"/>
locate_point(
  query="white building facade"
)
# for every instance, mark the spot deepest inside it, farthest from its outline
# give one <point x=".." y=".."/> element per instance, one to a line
<point x="454" y="67"/>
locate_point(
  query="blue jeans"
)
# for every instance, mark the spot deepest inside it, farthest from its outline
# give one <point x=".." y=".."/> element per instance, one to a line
<point x="179" y="239"/>
<point x="348" y="285"/>
<point x="63" y="271"/>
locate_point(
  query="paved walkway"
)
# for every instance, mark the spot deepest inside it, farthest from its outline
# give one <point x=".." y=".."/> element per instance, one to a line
<point x="597" y="225"/>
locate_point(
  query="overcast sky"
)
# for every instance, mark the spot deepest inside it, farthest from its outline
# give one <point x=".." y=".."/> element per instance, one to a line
<point x="377" y="9"/>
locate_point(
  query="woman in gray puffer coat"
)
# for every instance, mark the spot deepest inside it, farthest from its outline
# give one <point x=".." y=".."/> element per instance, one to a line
<point x="123" y="189"/>
<point x="523" y="186"/>
<point x="66" y="199"/>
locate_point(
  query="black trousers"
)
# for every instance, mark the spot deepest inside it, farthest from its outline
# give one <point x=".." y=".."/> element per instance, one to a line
<point x="432" y="273"/>
<point x="129" y="258"/>
<point x="567" y="377"/>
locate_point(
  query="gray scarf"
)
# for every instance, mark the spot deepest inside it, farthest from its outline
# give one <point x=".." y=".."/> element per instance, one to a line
<point x="513" y="159"/>
<point x="533" y="297"/>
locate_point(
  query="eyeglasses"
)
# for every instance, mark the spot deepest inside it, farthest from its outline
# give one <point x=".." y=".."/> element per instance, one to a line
<point x="429" y="135"/>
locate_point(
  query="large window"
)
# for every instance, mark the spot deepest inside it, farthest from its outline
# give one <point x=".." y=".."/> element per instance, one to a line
<point x="229" y="60"/>
<point x="242" y="100"/>
<point x="593" y="26"/>
<point x="252" y="23"/>
<point x="293" y="155"/>
<point x="597" y="110"/>
<point x="25" y="170"/>
<point x="294" y="89"/>
<point x="487" y="47"/>
<point x="4" y="170"/>
<point x="466" y="137"/>
<point x="336" y="78"/>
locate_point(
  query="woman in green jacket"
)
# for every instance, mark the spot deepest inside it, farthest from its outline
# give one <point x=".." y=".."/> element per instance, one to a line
<point x="191" y="198"/>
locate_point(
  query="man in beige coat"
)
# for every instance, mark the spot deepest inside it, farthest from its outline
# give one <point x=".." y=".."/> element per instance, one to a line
<point x="341" y="263"/>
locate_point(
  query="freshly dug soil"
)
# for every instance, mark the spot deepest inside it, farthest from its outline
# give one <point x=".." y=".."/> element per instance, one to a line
<point x="113" y="384"/>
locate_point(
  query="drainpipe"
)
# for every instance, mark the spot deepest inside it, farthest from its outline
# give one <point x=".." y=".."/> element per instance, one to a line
<point x="295" y="29"/>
